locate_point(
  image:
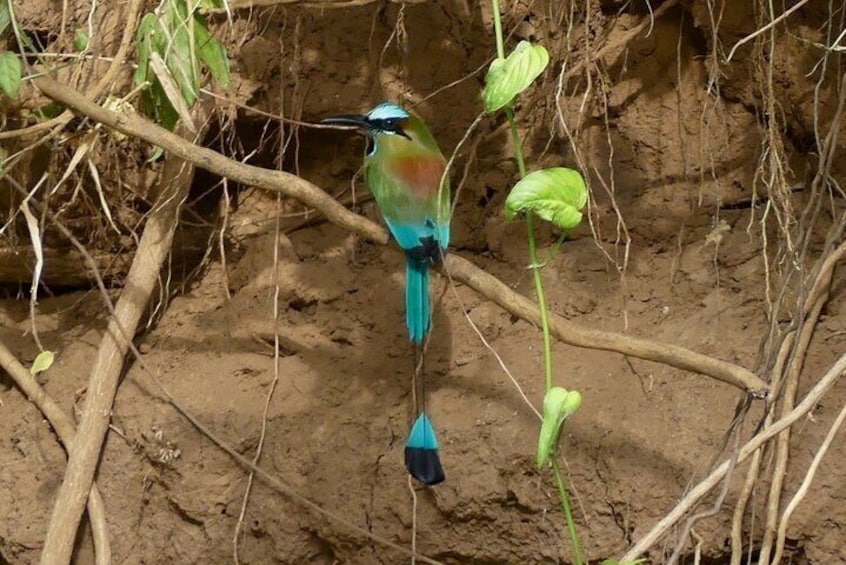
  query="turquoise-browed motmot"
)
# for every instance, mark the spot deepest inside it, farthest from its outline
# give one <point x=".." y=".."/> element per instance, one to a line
<point x="404" y="169"/>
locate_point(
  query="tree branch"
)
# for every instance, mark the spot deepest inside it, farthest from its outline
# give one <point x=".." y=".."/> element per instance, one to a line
<point x="572" y="334"/>
<point x="461" y="269"/>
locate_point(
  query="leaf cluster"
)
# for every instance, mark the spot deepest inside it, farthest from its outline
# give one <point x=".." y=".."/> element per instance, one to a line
<point x="173" y="42"/>
<point x="557" y="194"/>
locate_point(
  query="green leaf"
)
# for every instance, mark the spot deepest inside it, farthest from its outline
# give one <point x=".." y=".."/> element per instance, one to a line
<point x="211" y="51"/>
<point x="175" y="45"/>
<point x="171" y="89"/>
<point x="157" y="106"/>
<point x="42" y="362"/>
<point x="144" y="41"/>
<point x="10" y="73"/>
<point x="558" y="405"/>
<point x="171" y="45"/>
<point x="48" y="111"/>
<point x="5" y="16"/>
<point x="557" y="195"/>
<point x="509" y="77"/>
<point x="80" y="41"/>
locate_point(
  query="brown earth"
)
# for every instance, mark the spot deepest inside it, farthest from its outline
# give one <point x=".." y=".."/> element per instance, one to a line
<point x="682" y="163"/>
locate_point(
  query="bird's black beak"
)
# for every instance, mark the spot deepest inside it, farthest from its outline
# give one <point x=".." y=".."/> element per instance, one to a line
<point x="354" y="120"/>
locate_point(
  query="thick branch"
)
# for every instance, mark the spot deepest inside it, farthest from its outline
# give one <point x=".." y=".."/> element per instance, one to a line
<point x="153" y="248"/>
<point x="572" y="334"/>
<point x="461" y="269"/>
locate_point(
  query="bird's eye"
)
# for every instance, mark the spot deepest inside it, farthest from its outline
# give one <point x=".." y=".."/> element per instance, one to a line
<point x="390" y="124"/>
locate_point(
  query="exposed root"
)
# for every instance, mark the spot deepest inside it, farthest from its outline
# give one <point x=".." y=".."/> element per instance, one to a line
<point x="142" y="279"/>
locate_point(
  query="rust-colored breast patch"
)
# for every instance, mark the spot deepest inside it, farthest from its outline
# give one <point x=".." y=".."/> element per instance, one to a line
<point x="421" y="174"/>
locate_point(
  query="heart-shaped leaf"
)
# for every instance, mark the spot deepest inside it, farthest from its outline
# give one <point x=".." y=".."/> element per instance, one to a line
<point x="10" y="73"/>
<point x="558" y="405"/>
<point x="557" y="195"/>
<point x="509" y="77"/>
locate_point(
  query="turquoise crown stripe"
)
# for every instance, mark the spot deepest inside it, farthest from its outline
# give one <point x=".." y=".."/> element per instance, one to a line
<point x="386" y="111"/>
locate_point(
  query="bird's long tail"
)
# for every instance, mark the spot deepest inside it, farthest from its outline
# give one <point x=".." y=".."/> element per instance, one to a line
<point x="421" y="449"/>
<point x="417" y="299"/>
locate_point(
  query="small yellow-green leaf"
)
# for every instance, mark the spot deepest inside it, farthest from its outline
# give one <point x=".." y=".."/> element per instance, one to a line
<point x="557" y="195"/>
<point x="509" y="77"/>
<point x="80" y="41"/>
<point x="121" y="106"/>
<point x="42" y="362"/>
<point x="10" y="73"/>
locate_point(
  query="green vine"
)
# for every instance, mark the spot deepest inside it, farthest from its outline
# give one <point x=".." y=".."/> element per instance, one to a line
<point x="557" y="195"/>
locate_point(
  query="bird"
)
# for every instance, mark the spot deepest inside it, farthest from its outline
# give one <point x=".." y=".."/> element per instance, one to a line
<point x="404" y="169"/>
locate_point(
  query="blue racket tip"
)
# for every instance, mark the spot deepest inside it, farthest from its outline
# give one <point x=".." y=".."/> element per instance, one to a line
<point x="421" y="453"/>
<point x="422" y="434"/>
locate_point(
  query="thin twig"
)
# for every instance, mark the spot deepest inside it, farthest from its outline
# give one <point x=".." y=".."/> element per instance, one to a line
<point x="413" y="520"/>
<point x="271" y="389"/>
<point x="758" y="32"/>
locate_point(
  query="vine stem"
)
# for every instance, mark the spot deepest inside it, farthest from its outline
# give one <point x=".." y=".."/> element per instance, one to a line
<point x="500" y="43"/>
<point x="544" y="314"/>
<point x="533" y="257"/>
<point x="568" y="513"/>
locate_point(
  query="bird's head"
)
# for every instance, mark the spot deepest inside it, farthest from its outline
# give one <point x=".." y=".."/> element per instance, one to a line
<point x="385" y="119"/>
<point x="390" y="127"/>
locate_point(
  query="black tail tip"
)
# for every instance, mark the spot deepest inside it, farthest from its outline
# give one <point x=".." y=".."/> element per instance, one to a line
<point x="424" y="465"/>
